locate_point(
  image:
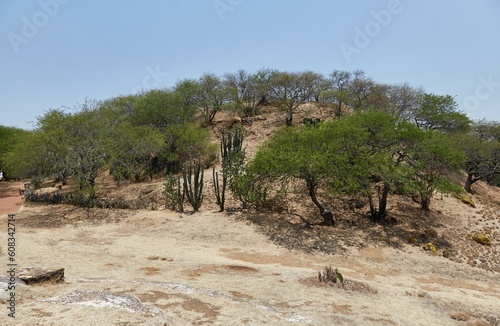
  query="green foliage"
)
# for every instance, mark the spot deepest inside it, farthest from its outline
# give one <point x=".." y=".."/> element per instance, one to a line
<point x="330" y="275"/>
<point x="434" y="161"/>
<point x="419" y="145"/>
<point x="468" y="201"/>
<point x="290" y="89"/>
<point x="481" y="239"/>
<point x="231" y="151"/>
<point x="251" y="191"/>
<point x="171" y="191"/>
<point x="307" y="154"/>
<point x="243" y="183"/>
<point x="133" y="150"/>
<point x="430" y="247"/>
<point x="438" y="112"/>
<point x="208" y="93"/>
<point x="240" y="181"/>
<point x="43" y="151"/>
<point x="368" y="153"/>
<point x="185" y="142"/>
<point x="193" y="188"/>
<point x="162" y="109"/>
<point x="10" y="138"/>
<point x="482" y="153"/>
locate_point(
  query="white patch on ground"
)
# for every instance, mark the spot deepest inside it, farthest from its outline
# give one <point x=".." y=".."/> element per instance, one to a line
<point x="102" y="299"/>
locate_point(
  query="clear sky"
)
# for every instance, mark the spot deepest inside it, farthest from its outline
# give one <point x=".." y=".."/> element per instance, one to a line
<point x="56" y="53"/>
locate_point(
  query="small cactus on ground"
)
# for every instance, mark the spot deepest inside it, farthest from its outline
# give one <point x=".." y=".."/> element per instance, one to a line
<point x="330" y="275"/>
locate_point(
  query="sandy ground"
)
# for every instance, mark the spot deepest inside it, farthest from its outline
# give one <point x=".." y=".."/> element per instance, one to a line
<point x="165" y="268"/>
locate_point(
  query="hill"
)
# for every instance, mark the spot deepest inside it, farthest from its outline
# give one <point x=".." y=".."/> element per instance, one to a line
<point x="158" y="267"/>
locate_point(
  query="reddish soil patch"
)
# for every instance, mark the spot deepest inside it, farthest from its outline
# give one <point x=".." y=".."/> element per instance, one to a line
<point x="151" y="270"/>
<point x="10" y="200"/>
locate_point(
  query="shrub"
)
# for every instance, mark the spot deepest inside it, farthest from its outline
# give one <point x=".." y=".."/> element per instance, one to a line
<point x="430" y="247"/>
<point x="171" y="191"/>
<point x="185" y="142"/>
<point x="330" y="275"/>
<point x="468" y="201"/>
<point x="481" y="239"/>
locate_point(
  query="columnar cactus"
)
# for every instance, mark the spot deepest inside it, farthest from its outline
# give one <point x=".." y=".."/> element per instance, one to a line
<point x="220" y="194"/>
<point x="230" y="143"/>
<point x="193" y="188"/>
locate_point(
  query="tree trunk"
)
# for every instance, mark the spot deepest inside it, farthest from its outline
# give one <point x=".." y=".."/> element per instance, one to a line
<point x="373" y="209"/>
<point x="379" y="214"/>
<point x="425" y="200"/>
<point x="92" y="193"/>
<point x="289" y="118"/>
<point x="327" y="215"/>
<point x="468" y="183"/>
<point x="382" y="207"/>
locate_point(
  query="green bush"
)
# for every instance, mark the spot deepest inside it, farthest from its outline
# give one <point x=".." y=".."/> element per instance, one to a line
<point x="188" y="141"/>
<point x="481" y="239"/>
<point x="171" y="191"/>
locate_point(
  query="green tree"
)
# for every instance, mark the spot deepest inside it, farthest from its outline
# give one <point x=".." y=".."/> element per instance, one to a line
<point x="10" y="138"/>
<point x="186" y="142"/>
<point x="373" y="142"/>
<point x="317" y="84"/>
<point x="290" y="90"/>
<point x="212" y="95"/>
<point x="162" y="109"/>
<point x="299" y="153"/>
<point x="43" y="152"/>
<point x="434" y="160"/>
<point x="133" y="151"/>
<point x="338" y="90"/>
<point x="360" y="89"/>
<point x="88" y="143"/>
<point x="438" y="112"/>
<point x="262" y="84"/>
<point x="482" y="152"/>
<point x="403" y="100"/>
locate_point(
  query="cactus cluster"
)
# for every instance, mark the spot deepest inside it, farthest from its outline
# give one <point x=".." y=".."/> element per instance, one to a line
<point x="230" y="143"/>
<point x="192" y="176"/>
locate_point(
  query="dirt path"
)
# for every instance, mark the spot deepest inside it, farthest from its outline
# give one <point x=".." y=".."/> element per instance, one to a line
<point x="10" y="200"/>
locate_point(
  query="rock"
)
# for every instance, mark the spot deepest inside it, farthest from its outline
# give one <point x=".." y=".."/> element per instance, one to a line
<point x="33" y="275"/>
<point x="102" y="299"/>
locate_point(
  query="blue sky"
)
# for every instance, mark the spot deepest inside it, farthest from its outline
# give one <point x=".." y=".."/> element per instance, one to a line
<point x="57" y="53"/>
